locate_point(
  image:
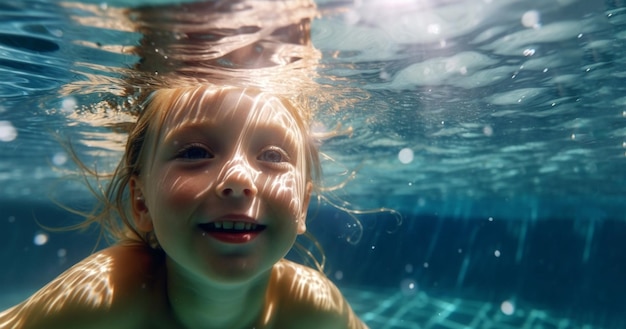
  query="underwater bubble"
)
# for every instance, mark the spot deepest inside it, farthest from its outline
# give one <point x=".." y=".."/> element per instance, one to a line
<point x="408" y="268"/>
<point x="405" y="155"/>
<point x="531" y="19"/>
<point x="7" y="131"/>
<point x="68" y="104"/>
<point x="40" y="239"/>
<point x="61" y="253"/>
<point x="496" y="253"/>
<point x="338" y="275"/>
<point x="59" y="158"/>
<point x="11" y="219"/>
<point x="507" y="307"/>
<point x="408" y="287"/>
<point x="487" y="130"/>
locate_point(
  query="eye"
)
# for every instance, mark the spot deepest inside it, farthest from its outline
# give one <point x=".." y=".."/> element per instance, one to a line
<point x="194" y="152"/>
<point x="274" y="155"/>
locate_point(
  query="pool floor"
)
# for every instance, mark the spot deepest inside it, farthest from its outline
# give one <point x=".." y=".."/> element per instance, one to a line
<point x="381" y="310"/>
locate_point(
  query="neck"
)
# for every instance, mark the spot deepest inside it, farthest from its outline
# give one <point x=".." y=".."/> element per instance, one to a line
<point x="199" y="303"/>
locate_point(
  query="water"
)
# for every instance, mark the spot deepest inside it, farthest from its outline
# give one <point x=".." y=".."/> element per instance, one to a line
<point x="496" y="128"/>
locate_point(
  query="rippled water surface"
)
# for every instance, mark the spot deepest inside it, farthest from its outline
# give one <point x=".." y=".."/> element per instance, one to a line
<point x="471" y="104"/>
<point x="491" y="109"/>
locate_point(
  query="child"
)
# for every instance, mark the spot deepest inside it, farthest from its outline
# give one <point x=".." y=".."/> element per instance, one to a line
<point x="212" y="191"/>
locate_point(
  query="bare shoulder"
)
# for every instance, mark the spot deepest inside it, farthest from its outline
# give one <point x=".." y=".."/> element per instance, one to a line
<point x="108" y="289"/>
<point x="308" y="299"/>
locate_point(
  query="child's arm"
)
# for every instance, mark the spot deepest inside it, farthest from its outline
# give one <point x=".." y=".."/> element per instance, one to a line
<point x="106" y="290"/>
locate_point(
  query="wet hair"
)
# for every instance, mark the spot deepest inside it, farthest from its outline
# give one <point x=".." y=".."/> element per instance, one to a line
<point x="113" y="212"/>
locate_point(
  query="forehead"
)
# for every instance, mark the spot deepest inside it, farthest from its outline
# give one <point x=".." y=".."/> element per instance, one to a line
<point x="237" y="108"/>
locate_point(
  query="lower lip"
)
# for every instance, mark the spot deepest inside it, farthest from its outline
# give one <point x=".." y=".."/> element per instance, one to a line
<point x="235" y="238"/>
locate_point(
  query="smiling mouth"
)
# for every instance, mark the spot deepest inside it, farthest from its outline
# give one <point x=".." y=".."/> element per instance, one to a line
<point x="232" y="227"/>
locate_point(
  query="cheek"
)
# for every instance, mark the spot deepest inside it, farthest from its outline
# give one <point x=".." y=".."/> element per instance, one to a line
<point x="177" y="190"/>
<point x="287" y="190"/>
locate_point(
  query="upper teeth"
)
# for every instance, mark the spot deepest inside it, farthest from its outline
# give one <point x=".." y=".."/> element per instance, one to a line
<point x="228" y="225"/>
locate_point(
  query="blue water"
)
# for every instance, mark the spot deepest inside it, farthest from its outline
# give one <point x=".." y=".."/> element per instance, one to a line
<point x="497" y="129"/>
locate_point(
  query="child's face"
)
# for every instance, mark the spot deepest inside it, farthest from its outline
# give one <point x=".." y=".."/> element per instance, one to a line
<point x="225" y="188"/>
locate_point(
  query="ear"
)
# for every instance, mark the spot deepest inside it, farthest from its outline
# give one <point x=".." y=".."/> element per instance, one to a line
<point x="305" y="206"/>
<point x="141" y="213"/>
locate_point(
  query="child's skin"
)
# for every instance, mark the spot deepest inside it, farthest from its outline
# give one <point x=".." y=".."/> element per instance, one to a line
<point x="230" y="158"/>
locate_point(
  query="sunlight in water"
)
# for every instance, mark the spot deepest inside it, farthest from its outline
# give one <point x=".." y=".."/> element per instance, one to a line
<point x="307" y="284"/>
<point x="87" y="284"/>
<point x="90" y="285"/>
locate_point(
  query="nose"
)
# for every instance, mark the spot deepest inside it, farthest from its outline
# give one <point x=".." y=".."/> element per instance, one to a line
<point x="237" y="180"/>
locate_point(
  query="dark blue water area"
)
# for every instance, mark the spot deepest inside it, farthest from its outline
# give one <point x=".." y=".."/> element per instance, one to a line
<point x="28" y="265"/>
<point x="573" y="269"/>
<point x="483" y="255"/>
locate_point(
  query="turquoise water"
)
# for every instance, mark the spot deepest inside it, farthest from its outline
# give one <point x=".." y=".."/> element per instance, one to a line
<point x="496" y="128"/>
